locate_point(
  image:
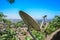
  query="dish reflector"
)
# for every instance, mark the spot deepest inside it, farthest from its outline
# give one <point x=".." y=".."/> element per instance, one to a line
<point x="29" y="20"/>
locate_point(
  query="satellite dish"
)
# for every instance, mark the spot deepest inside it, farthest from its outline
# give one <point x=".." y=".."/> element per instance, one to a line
<point x="29" y="20"/>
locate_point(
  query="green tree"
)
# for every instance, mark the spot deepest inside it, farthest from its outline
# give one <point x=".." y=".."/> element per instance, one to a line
<point x="8" y="22"/>
<point x="19" y="24"/>
<point x="56" y="21"/>
<point x="2" y="16"/>
<point x="4" y="20"/>
<point x="53" y="25"/>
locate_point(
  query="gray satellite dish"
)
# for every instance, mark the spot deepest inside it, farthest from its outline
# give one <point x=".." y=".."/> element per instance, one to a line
<point x="29" y="20"/>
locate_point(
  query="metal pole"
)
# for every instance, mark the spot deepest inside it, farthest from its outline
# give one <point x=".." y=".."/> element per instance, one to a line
<point x="31" y="34"/>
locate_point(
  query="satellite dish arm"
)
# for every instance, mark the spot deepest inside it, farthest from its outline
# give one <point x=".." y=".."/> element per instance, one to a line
<point x="31" y="34"/>
<point x="41" y="25"/>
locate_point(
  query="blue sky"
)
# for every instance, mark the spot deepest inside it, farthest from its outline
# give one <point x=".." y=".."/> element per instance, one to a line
<point x="35" y="8"/>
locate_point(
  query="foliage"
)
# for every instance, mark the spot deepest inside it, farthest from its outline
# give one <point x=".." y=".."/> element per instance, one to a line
<point x="53" y="25"/>
<point x="50" y="29"/>
<point x="8" y="22"/>
<point x="39" y="35"/>
<point x="9" y="34"/>
<point x="2" y="16"/>
<point x="19" y="24"/>
<point x="27" y="38"/>
<point x="56" y="21"/>
<point x="4" y="20"/>
<point x="24" y="33"/>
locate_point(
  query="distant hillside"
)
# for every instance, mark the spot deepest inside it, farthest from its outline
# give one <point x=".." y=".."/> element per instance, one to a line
<point x="17" y="20"/>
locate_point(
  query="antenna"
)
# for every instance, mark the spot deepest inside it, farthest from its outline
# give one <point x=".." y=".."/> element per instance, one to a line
<point x="31" y="23"/>
<point x="29" y="20"/>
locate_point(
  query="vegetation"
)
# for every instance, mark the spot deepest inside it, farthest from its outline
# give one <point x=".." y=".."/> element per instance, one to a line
<point x="10" y="34"/>
<point x="19" y="24"/>
<point x="53" y="25"/>
<point x="39" y="35"/>
<point x="2" y="16"/>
